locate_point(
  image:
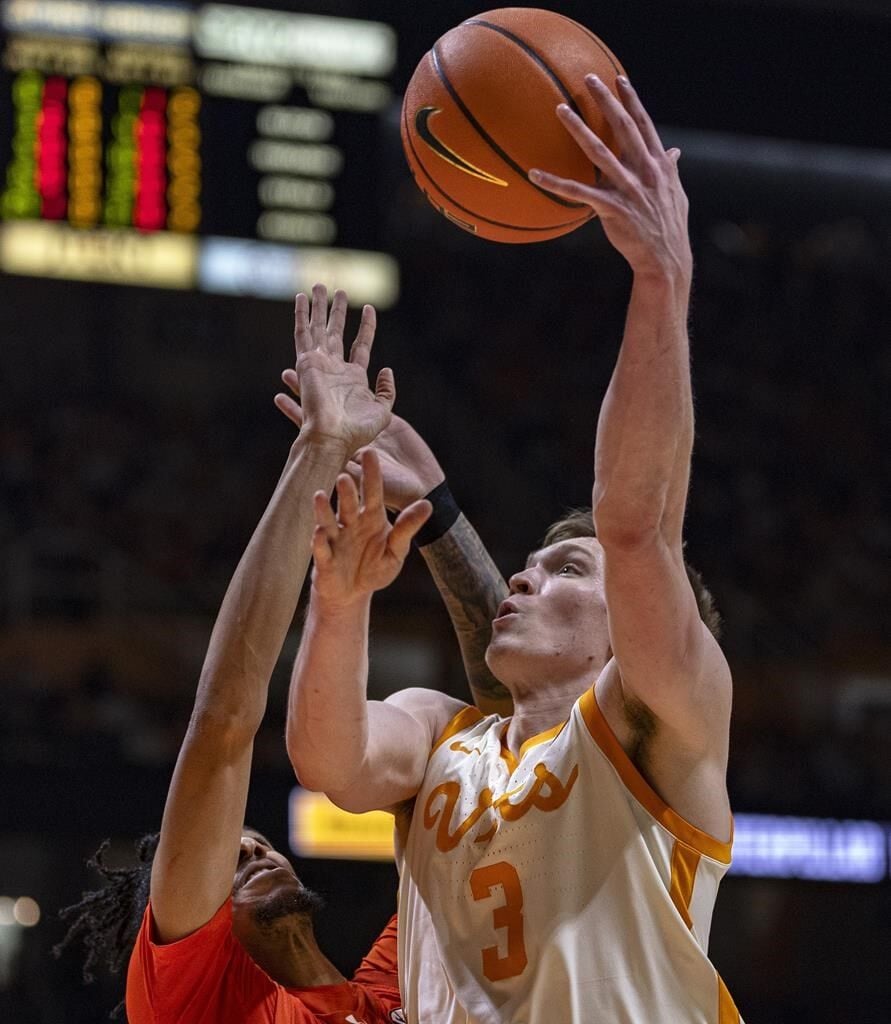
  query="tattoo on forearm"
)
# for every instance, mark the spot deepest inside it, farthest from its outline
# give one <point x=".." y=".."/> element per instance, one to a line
<point x="472" y="589"/>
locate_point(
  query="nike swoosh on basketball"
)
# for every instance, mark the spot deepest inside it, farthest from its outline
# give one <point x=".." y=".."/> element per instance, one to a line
<point x="425" y="133"/>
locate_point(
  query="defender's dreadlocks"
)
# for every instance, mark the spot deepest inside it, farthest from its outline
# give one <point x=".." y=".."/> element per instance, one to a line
<point x="108" y="919"/>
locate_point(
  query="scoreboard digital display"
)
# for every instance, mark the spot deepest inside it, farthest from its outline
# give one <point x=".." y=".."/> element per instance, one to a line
<point x="218" y="147"/>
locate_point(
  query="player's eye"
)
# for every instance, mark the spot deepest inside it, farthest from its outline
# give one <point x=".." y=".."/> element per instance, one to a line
<point x="568" y="568"/>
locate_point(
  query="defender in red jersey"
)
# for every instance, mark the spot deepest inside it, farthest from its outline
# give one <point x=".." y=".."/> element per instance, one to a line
<point x="209" y="976"/>
<point x="222" y="926"/>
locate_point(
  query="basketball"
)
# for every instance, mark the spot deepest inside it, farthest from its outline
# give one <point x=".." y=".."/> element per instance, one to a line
<point x="479" y="112"/>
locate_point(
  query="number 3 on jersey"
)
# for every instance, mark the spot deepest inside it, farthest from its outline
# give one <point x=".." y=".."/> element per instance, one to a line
<point x="508" y="914"/>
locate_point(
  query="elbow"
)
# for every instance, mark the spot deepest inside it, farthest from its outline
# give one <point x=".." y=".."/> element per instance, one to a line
<point x="627" y="517"/>
<point x="627" y="530"/>
<point x="319" y="773"/>
<point x="224" y="737"/>
<point x="229" y="707"/>
<point x="305" y="770"/>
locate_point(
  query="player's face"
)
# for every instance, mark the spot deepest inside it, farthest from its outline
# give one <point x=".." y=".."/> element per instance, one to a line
<point x="270" y="905"/>
<point x="553" y="625"/>
<point x="262" y="876"/>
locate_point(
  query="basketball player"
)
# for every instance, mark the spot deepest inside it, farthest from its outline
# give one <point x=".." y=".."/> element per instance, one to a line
<point x="226" y="934"/>
<point x="562" y="864"/>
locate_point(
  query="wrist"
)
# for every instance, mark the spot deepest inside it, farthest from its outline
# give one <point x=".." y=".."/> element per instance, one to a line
<point x="443" y="517"/>
<point x="403" y="496"/>
<point x="671" y="273"/>
<point x="326" y="447"/>
<point x="341" y="609"/>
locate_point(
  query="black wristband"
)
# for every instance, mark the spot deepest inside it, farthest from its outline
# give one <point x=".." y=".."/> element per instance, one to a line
<point x="442" y="518"/>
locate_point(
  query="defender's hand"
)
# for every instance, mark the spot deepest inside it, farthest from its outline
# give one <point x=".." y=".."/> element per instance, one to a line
<point x="408" y="466"/>
<point x="336" y="403"/>
<point x="640" y="201"/>
<point x="358" y="551"/>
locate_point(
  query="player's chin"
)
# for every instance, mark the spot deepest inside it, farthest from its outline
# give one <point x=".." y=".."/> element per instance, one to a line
<point x="502" y="650"/>
<point x="284" y="901"/>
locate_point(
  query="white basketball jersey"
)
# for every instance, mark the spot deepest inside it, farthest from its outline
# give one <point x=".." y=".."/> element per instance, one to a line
<point x="554" y="889"/>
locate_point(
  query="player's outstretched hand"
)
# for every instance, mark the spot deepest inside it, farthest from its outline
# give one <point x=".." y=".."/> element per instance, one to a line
<point x="336" y="404"/>
<point x="358" y="550"/>
<point x="639" y="200"/>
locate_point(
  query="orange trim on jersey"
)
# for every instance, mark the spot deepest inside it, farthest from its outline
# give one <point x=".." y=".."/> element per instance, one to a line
<point x="684" y="863"/>
<point x="463" y="720"/>
<point x="642" y="791"/>
<point x="533" y="741"/>
<point x="727" y="1011"/>
<point x="506" y="753"/>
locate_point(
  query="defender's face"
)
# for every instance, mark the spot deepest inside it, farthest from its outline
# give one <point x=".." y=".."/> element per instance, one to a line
<point x="553" y="625"/>
<point x="270" y="905"/>
<point x="262" y="873"/>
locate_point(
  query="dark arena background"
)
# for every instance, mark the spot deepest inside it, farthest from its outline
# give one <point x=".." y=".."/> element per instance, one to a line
<point x="172" y="174"/>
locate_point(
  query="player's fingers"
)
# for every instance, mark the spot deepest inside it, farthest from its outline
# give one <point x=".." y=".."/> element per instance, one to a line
<point x="595" y="149"/>
<point x="626" y="132"/>
<point x="631" y="102"/>
<point x="318" y="317"/>
<point x="322" y="551"/>
<point x="354" y="470"/>
<point x="360" y="352"/>
<point x="372" y="483"/>
<point x="674" y="155"/>
<point x="302" y="338"/>
<point x="337" y="322"/>
<point x="385" y="387"/>
<point x="598" y="199"/>
<point x="347" y="500"/>
<point x="292" y="379"/>
<point x="407" y="525"/>
<point x="323" y="514"/>
<point x="285" y="404"/>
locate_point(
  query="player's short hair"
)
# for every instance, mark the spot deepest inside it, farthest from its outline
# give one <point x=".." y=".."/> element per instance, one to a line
<point x="107" y="920"/>
<point x="579" y="522"/>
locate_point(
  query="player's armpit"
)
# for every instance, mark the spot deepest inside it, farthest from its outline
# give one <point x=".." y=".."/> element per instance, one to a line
<point x="667" y="658"/>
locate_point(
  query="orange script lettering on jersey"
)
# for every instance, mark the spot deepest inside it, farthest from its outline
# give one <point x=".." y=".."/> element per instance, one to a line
<point x="547" y="793"/>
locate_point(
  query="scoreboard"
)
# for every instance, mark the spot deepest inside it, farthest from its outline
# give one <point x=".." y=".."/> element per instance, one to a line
<point x="219" y="147"/>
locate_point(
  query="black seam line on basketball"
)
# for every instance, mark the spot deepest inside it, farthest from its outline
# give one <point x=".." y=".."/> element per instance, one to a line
<point x="537" y="57"/>
<point x="488" y="138"/>
<point x="477" y="216"/>
<point x="549" y="71"/>
<point x="600" y="45"/>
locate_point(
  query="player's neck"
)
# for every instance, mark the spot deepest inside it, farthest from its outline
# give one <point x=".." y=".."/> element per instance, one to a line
<point x="291" y="957"/>
<point x="537" y="710"/>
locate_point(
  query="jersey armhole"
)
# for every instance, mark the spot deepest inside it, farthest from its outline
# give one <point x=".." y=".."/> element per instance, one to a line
<point x="642" y="791"/>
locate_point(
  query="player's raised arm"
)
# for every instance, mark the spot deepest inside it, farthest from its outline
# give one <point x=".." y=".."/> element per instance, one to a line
<point x="363" y="754"/>
<point x="468" y="580"/>
<point x="204" y="814"/>
<point x="666" y="657"/>
<point x="472" y="588"/>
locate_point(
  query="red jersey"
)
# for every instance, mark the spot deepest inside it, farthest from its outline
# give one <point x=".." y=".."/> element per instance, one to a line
<point x="208" y="978"/>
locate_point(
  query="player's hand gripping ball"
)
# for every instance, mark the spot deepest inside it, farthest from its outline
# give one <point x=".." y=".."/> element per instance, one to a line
<point x="479" y="112"/>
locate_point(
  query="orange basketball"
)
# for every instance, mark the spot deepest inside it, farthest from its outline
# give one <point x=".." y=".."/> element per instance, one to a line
<point x="479" y="112"/>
